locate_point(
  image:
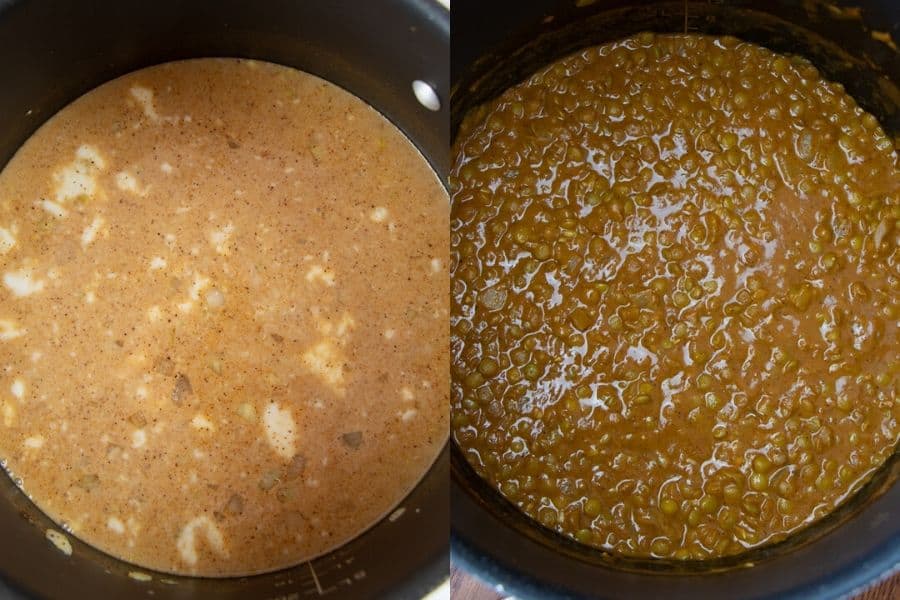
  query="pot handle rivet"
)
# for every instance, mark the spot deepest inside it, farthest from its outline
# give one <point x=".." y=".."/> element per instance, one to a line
<point x="426" y="95"/>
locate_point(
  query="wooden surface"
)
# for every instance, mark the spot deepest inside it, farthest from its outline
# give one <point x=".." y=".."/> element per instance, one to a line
<point x="466" y="587"/>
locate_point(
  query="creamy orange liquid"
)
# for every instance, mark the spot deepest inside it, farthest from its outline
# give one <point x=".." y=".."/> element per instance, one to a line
<point x="223" y="317"/>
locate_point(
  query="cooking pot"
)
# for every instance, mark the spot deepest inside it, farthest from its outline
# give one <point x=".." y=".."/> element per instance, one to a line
<point x="497" y="45"/>
<point x="53" y="51"/>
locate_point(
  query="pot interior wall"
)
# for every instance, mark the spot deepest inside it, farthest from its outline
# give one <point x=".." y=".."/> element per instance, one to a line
<point x="495" y="47"/>
<point x="51" y="52"/>
<point x="504" y="46"/>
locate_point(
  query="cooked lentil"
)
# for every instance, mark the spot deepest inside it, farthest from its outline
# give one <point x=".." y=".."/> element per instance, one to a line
<point x="675" y="295"/>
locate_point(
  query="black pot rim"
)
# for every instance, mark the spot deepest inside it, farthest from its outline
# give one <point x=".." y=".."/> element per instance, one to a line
<point x="51" y="60"/>
<point x="499" y="545"/>
<point x="880" y="564"/>
<point x="846" y="551"/>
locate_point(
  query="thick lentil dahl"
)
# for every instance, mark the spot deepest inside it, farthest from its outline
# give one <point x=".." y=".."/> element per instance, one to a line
<point x="675" y="279"/>
<point x="223" y="317"/>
